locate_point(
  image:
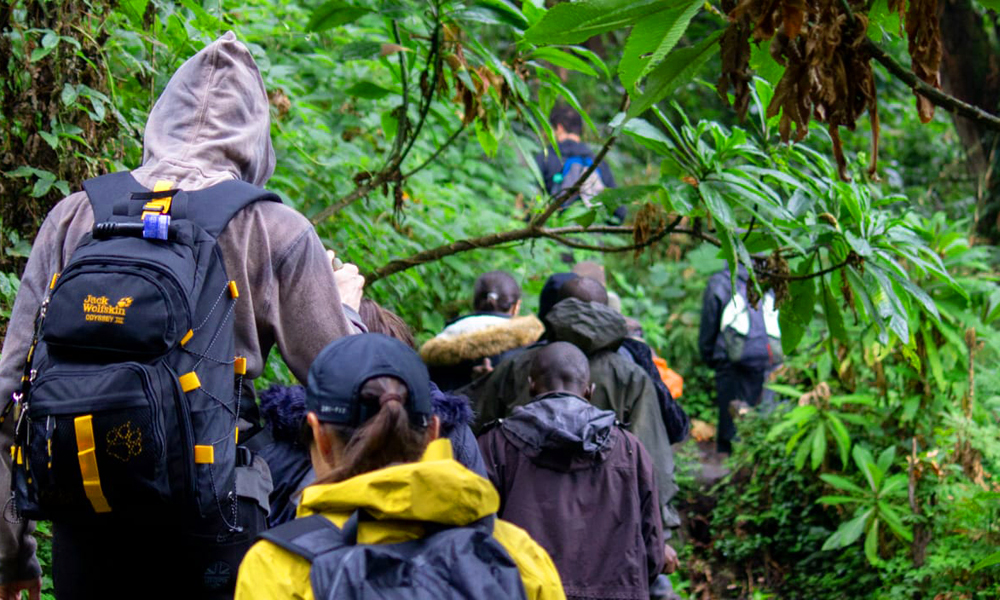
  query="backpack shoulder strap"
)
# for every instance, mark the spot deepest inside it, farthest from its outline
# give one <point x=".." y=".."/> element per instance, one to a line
<point x="583" y="161"/>
<point x="108" y="190"/>
<point x="309" y="537"/>
<point x="212" y="208"/>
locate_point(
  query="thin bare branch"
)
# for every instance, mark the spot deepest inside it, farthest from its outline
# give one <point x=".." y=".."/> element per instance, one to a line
<point x="557" y="234"/>
<point x="433" y="157"/>
<point x="936" y="96"/>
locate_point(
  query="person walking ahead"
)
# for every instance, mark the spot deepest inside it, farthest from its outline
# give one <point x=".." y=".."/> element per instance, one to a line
<point x="388" y="493"/>
<point x="742" y="343"/>
<point x="562" y="171"/>
<point x="569" y="474"/>
<point x="209" y="128"/>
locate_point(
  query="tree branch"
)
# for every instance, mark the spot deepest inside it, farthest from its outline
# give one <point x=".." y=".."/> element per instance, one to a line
<point x="557" y="234"/>
<point x="437" y="152"/>
<point x="436" y="59"/>
<point x="659" y="235"/>
<point x="936" y="96"/>
<point x="772" y="275"/>
<point x="356" y="194"/>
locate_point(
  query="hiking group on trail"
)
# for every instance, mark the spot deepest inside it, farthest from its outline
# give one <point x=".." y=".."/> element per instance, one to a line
<point x="513" y="456"/>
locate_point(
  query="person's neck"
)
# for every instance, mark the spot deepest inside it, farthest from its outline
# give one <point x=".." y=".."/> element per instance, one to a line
<point x="572" y="137"/>
<point x="562" y="391"/>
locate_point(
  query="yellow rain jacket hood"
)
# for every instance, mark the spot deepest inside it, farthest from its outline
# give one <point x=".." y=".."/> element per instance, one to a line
<point x="436" y="489"/>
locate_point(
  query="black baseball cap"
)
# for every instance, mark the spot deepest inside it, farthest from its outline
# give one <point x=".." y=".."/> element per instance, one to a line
<point x="346" y="364"/>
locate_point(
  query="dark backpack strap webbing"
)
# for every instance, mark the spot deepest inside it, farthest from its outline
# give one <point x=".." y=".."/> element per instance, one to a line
<point x="212" y="208"/>
<point x="308" y="537"/>
<point x="109" y="190"/>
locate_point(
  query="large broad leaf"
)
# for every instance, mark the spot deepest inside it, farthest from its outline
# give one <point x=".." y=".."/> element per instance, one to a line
<point x="842" y="483"/>
<point x="677" y="69"/>
<point x="871" y="544"/>
<point x="574" y="22"/>
<point x="840" y="435"/>
<point x="848" y="532"/>
<point x="652" y="39"/>
<point x="818" y="445"/>
<point x="834" y="318"/>
<point x="866" y="464"/>
<point x="796" y="314"/>
<point x="494" y="12"/>
<point x="649" y="136"/>
<point x="561" y="58"/>
<point x="894" y="521"/>
<point x="989" y="561"/>
<point x="333" y="14"/>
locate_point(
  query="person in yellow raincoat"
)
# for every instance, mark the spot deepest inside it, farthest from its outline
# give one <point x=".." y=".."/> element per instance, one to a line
<point x="374" y="448"/>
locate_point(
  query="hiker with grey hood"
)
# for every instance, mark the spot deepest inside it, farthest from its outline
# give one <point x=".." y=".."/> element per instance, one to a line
<point x="569" y="474"/>
<point x="582" y="317"/>
<point x="209" y="128"/>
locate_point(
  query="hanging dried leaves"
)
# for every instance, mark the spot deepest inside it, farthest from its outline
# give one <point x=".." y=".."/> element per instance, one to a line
<point x="649" y="222"/>
<point x="736" y="61"/>
<point x="828" y="74"/>
<point x="923" y="31"/>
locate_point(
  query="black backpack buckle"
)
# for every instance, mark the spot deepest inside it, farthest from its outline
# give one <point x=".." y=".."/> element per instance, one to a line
<point x="244" y="458"/>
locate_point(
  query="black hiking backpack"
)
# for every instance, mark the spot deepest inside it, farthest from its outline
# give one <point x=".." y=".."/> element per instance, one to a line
<point x="132" y="389"/>
<point x="453" y="562"/>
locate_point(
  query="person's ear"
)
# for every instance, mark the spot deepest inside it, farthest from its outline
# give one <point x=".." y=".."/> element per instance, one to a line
<point x="531" y="387"/>
<point x="434" y="429"/>
<point x="516" y="309"/>
<point x="324" y="444"/>
<point x="589" y="392"/>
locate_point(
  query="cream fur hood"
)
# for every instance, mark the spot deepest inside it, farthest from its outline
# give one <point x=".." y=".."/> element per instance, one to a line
<point x="480" y="336"/>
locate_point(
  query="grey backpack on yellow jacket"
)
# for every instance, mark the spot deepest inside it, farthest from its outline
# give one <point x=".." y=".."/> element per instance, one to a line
<point x="132" y="390"/>
<point x="451" y="562"/>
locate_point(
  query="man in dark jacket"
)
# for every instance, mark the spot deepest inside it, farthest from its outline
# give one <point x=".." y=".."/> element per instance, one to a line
<point x="740" y="342"/>
<point x="568" y="474"/>
<point x="620" y="385"/>
<point x="568" y="127"/>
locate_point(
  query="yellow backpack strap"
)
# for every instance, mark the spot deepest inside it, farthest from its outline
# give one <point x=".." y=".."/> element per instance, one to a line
<point x="88" y="463"/>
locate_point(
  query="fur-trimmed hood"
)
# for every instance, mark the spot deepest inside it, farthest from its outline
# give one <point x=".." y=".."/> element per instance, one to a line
<point x="496" y="335"/>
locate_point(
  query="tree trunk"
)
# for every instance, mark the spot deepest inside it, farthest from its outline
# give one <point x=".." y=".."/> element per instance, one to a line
<point x="970" y="71"/>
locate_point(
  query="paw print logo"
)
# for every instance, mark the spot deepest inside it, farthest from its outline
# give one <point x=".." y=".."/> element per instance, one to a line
<point x="125" y="302"/>
<point x="125" y="442"/>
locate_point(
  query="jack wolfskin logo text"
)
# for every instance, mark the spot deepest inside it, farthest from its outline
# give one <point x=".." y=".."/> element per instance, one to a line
<point x="97" y="308"/>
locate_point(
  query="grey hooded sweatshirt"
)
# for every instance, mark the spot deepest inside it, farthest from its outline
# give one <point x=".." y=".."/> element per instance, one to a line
<point x="569" y="475"/>
<point x="211" y="124"/>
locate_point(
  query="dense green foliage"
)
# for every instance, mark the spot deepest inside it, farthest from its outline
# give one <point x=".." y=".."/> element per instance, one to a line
<point x="404" y="126"/>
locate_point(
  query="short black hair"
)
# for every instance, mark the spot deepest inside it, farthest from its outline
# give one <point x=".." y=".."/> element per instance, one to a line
<point x="495" y="291"/>
<point x="567" y="117"/>
<point x="560" y="366"/>
<point x="586" y="289"/>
